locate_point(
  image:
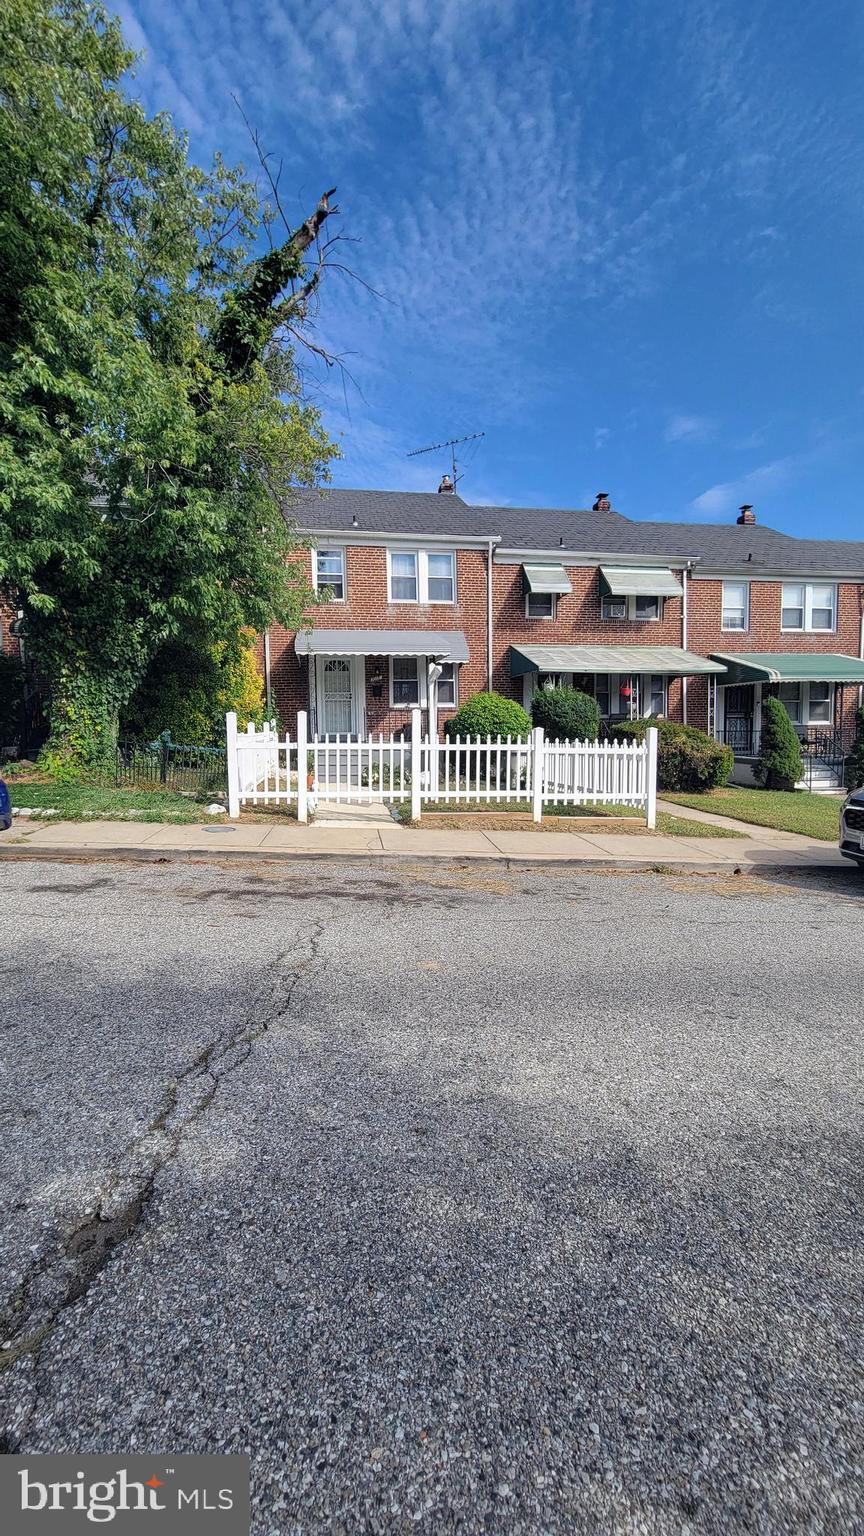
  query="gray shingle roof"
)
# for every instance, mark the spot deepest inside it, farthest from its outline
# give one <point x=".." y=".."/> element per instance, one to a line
<point x="717" y="546"/>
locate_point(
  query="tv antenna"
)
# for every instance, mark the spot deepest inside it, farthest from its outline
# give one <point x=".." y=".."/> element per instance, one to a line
<point x="452" y="443"/>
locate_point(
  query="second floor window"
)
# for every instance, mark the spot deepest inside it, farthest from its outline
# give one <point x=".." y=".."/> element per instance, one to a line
<point x="439" y="577"/>
<point x="540" y="605"/>
<point x="735" y="595"/>
<point x="638" y="609"/>
<point x="403" y="576"/>
<point x="422" y="575"/>
<point x="809" y="606"/>
<point x="330" y="572"/>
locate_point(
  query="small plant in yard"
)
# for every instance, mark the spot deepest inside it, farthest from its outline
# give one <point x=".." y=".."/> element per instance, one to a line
<point x="855" y="761"/>
<point x="779" y="764"/>
<point x="566" y="714"/>
<point x="488" y="714"/>
<point x="688" y="760"/>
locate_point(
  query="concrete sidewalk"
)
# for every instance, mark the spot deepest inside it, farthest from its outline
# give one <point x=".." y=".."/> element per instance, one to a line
<point x="150" y="841"/>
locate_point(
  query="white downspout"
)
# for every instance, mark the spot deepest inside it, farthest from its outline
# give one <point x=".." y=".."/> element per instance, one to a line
<point x="684" y="584"/>
<point x="861" y="651"/>
<point x="490" y="547"/>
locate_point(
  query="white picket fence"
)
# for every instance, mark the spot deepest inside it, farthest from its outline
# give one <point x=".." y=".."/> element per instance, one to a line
<point x="265" y="769"/>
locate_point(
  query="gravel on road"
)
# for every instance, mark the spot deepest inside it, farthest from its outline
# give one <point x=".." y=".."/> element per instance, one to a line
<point x="463" y="1201"/>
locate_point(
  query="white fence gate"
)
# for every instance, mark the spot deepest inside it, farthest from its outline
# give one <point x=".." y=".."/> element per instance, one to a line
<point x="264" y="769"/>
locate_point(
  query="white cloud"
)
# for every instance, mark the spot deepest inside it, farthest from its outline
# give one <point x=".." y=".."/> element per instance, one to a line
<point x="720" y="499"/>
<point x="602" y="436"/>
<point x="689" y="429"/>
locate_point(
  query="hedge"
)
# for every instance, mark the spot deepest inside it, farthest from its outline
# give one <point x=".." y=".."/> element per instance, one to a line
<point x="688" y="760"/>
<point x="489" y="714"/>
<point x="779" y="764"/>
<point x="566" y="714"/>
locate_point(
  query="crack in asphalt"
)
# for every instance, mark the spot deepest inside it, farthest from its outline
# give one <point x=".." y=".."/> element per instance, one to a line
<point x="58" y="1278"/>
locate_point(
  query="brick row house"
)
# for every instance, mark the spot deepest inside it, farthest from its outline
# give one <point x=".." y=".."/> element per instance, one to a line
<point x="432" y="599"/>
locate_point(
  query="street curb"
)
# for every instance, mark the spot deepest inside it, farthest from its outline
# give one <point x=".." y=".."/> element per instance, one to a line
<point x="387" y="859"/>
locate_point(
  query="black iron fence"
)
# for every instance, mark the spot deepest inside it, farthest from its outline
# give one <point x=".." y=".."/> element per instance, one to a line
<point x="739" y="735"/>
<point x="167" y="764"/>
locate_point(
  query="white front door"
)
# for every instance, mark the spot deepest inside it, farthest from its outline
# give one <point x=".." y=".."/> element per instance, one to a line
<point x="335" y="696"/>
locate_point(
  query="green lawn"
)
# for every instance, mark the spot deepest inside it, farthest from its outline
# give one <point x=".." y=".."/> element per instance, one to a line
<point x="672" y="826"/>
<point x="787" y="811"/>
<point x="81" y="802"/>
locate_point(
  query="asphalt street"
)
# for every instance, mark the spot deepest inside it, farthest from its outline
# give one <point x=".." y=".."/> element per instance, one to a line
<point x="465" y="1201"/>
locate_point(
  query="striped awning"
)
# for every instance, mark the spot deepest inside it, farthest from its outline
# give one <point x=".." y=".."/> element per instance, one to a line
<point x="546" y="578"/>
<point x="794" y="667"/>
<point x="627" y="581"/>
<point x="447" y="645"/>
<point x="665" y="660"/>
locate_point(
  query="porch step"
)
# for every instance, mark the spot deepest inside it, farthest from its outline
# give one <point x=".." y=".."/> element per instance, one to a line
<point x="330" y="814"/>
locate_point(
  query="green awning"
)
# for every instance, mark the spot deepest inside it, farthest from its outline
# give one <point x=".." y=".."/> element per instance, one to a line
<point x="794" y="667"/>
<point x="624" y="581"/>
<point x="665" y="660"/>
<point x="546" y="578"/>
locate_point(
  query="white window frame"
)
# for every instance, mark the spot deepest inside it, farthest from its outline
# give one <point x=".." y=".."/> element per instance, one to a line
<point x="540" y="617"/>
<point x="442" y="602"/>
<point x="830" y="701"/>
<point x="317" y="581"/>
<point x="454" y="702"/>
<point x="806" y="588"/>
<point x="729" y="607"/>
<point x="421" y="566"/>
<point x="805" y="714"/>
<point x="401" y="703"/>
<point x="415" y="557"/>
<point x="631" y="616"/>
<point x="646" y="694"/>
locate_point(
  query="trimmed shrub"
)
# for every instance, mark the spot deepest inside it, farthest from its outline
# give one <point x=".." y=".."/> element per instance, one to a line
<point x="689" y="761"/>
<point x="488" y="714"/>
<point x="779" y="764"/>
<point x="566" y="714"/>
<point x="855" y="760"/>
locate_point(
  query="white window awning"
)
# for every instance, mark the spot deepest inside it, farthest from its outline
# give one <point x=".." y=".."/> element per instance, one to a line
<point x="661" y="660"/>
<point x="446" y="645"/>
<point x="546" y="578"/>
<point x="627" y="581"/>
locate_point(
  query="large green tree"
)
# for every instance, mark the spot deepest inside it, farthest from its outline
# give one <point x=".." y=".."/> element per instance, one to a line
<point x="151" y="418"/>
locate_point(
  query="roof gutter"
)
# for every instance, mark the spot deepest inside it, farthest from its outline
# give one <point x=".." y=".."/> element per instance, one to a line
<point x="508" y="556"/>
<point x="369" y="536"/>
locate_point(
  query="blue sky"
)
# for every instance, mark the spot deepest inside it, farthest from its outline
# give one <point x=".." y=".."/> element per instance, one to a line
<point x="623" y="239"/>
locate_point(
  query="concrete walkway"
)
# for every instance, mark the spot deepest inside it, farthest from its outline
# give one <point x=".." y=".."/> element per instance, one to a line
<point x="386" y="839"/>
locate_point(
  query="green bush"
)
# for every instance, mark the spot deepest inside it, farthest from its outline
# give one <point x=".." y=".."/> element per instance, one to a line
<point x="779" y="764"/>
<point x="566" y="714"/>
<point x="488" y="714"/>
<point x="688" y="760"/>
<point x="855" y="760"/>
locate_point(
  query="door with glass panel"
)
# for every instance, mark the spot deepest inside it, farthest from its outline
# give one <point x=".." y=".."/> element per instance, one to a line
<point x="335" y="696"/>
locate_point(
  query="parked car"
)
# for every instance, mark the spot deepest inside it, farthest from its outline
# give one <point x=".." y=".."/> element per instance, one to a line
<point x="852" y="827"/>
<point x="5" y="808"/>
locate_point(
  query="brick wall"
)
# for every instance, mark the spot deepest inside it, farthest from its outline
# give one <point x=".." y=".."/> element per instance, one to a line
<point x="706" y="636"/>
<point x="577" y="621"/>
<point x="366" y="607"/>
<point x="8" y="643"/>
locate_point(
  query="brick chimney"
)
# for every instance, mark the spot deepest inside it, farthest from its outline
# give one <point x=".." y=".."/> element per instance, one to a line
<point x="446" y="487"/>
<point x="746" y="515"/>
<point x="602" y="504"/>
